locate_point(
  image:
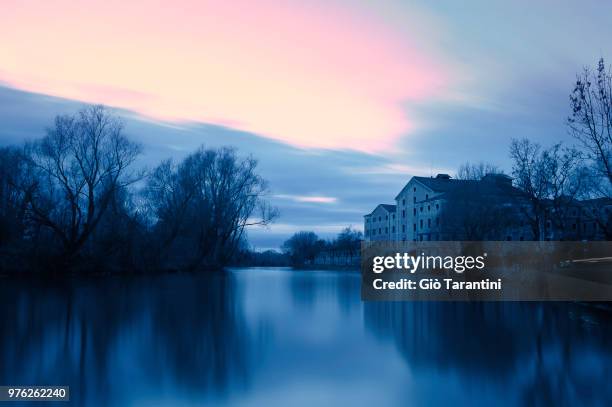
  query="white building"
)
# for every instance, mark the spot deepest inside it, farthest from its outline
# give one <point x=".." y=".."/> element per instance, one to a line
<point x="420" y="206"/>
<point x="381" y="224"/>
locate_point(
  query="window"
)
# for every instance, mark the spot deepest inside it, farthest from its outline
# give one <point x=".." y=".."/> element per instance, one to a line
<point x="414" y="199"/>
<point x="421" y="238"/>
<point x="403" y="228"/>
<point x="379" y="218"/>
<point x="414" y="227"/>
<point x="437" y="221"/>
<point x="421" y="224"/>
<point x="573" y="226"/>
<point x="421" y="209"/>
<point x="428" y="208"/>
<point x="521" y="238"/>
<point x="386" y="230"/>
<point x="379" y="231"/>
<point x="386" y="217"/>
<point x="393" y="229"/>
<point x="414" y="189"/>
<point x="414" y="212"/>
<point x="404" y="201"/>
<point x="403" y="213"/>
<point x="393" y="216"/>
<point x="428" y="223"/>
<point x="437" y="206"/>
<point x="508" y="238"/>
<point x="426" y="196"/>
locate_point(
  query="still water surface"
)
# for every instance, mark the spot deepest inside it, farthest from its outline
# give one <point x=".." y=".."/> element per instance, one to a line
<point x="278" y="337"/>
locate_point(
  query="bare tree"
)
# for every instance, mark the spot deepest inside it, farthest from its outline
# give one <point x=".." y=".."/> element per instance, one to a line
<point x="567" y="180"/>
<point x="77" y="169"/>
<point x="591" y="119"/>
<point x="12" y="197"/>
<point x="590" y="123"/>
<point x="552" y="180"/>
<point x="529" y="175"/>
<point x="475" y="171"/>
<point x="204" y="204"/>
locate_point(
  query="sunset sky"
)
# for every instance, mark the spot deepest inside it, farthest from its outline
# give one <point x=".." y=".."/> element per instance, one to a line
<point x="341" y="101"/>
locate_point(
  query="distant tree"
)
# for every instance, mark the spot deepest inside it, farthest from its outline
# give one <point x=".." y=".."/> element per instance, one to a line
<point x="348" y="242"/>
<point x="201" y="206"/>
<point x="303" y="247"/>
<point x="267" y="258"/>
<point x="475" y="171"/>
<point x="76" y="171"/>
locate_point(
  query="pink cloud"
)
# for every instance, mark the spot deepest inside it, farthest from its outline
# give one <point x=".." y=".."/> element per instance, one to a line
<point x="310" y="74"/>
<point x="309" y="198"/>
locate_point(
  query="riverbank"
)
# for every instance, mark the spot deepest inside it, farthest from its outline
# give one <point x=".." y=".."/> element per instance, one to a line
<point x="329" y="267"/>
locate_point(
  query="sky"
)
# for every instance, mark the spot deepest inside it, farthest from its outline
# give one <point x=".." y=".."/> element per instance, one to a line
<point x="340" y="101"/>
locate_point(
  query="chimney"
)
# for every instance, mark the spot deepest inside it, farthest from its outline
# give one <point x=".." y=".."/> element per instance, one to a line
<point x="443" y="176"/>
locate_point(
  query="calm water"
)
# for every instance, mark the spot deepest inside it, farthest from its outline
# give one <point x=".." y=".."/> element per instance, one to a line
<point x="276" y="337"/>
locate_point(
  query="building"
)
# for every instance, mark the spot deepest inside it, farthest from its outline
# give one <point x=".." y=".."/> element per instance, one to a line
<point x="573" y="219"/>
<point x="442" y="208"/>
<point x="381" y="224"/>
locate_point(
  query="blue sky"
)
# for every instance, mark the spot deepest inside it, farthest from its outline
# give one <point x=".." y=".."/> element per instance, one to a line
<point x="418" y="89"/>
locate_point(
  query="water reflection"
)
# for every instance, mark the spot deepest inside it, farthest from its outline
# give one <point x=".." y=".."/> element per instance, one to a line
<point x="535" y="353"/>
<point x="282" y="337"/>
<point x="122" y="338"/>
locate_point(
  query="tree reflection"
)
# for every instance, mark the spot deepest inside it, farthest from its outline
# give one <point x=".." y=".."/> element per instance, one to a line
<point x="184" y="330"/>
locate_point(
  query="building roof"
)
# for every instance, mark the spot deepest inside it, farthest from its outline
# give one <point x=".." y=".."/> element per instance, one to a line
<point x="490" y="184"/>
<point x="443" y="184"/>
<point x="387" y="207"/>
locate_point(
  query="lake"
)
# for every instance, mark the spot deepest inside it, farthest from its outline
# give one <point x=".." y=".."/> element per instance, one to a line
<point x="279" y="337"/>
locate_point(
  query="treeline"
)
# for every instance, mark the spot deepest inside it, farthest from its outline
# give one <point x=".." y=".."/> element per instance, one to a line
<point x="303" y="247"/>
<point x="75" y="200"/>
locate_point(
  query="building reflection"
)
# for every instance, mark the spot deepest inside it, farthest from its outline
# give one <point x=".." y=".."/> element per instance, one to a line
<point x="533" y="349"/>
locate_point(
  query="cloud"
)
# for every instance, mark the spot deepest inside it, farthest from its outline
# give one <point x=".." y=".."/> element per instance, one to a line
<point x="308" y="198"/>
<point x="322" y="75"/>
